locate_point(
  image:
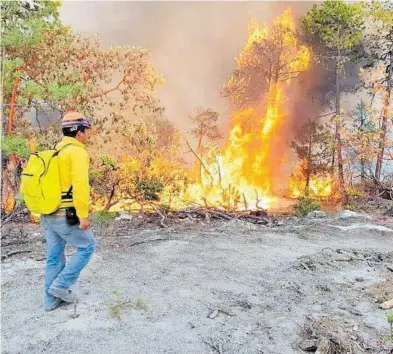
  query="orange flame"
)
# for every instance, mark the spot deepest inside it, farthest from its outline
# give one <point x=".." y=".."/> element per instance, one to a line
<point x="319" y="186"/>
<point x="242" y="175"/>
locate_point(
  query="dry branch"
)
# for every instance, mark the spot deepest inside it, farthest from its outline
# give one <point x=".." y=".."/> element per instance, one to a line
<point x="14" y="253"/>
<point x="199" y="159"/>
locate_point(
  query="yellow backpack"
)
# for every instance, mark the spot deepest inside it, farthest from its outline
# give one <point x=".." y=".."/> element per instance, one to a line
<point x="40" y="182"/>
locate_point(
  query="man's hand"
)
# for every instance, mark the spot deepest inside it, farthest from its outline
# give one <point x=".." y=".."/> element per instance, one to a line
<point x="84" y="224"/>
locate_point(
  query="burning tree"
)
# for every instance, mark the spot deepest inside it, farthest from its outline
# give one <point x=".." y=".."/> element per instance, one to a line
<point x="312" y="147"/>
<point x="335" y="29"/>
<point x="205" y="131"/>
<point x="271" y="56"/>
<point x="270" y="60"/>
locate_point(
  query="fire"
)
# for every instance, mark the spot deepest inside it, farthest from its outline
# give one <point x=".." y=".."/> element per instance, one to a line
<point x="319" y="186"/>
<point x="241" y="177"/>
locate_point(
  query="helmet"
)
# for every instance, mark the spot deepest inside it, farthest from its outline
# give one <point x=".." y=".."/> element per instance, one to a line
<point x="74" y="120"/>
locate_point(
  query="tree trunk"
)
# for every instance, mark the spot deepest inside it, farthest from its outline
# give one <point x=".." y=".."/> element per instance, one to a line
<point x="200" y="163"/>
<point x="109" y="203"/>
<point x="385" y="114"/>
<point x="309" y="162"/>
<point x="343" y="193"/>
<point x="362" y="160"/>
<point x="11" y="115"/>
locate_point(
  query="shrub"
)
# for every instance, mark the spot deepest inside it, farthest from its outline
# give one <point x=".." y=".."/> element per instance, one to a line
<point x="16" y="145"/>
<point x="355" y="192"/>
<point x="149" y="189"/>
<point x="103" y="218"/>
<point x="305" y="205"/>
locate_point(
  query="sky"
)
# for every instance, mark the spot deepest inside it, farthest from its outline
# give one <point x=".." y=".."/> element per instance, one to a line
<point x="193" y="44"/>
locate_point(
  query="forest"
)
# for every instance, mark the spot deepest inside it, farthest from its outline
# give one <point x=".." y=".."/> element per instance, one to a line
<point x="289" y="136"/>
<point x="259" y="220"/>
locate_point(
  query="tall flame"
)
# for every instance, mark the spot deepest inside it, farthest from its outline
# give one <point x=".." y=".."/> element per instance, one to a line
<point x="242" y="175"/>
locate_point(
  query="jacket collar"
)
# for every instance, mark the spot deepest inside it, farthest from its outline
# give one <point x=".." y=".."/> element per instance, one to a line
<point x="69" y="140"/>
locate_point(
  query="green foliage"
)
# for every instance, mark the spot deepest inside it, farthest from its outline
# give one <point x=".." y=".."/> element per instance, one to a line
<point x="305" y="205"/>
<point x="336" y="23"/>
<point x="61" y="92"/>
<point x="16" y="145"/>
<point x="140" y="304"/>
<point x="389" y="317"/>
<point x="117" y="306"/>
<point x="108" y="161"/>
<point x="149" y="189"/>
<point x="103" y="218"/>
<point x="23" y="21"/>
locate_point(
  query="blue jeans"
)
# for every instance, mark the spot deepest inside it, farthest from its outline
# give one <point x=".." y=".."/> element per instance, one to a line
<point x="58" y="274"/>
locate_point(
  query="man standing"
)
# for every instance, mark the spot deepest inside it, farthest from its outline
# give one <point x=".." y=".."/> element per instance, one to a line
<point x="59" y="231"/>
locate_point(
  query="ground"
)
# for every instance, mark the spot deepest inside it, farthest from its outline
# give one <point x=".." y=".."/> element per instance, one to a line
<point x="199" y="287"/>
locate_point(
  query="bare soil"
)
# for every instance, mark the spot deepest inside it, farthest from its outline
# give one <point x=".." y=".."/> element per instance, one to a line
<point x="199" y="287"/>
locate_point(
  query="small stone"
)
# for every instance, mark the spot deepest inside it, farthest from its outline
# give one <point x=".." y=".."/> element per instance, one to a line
<point x="309" y="345"/>
<point x="387" y="305"/>
<point x="346" y="214"/>
<point x="316" y="214"/>
<point x="124" y="216"/>
<point x="214" y="314"/>
<point x="359" y="279"/>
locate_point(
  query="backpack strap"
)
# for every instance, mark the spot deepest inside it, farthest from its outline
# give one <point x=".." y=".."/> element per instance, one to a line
<point x="68" y="195"/>
<point x="58" y="150"/>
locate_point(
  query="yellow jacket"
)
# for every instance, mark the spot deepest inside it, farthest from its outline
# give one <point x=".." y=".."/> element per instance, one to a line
<point x="74" y="171"/>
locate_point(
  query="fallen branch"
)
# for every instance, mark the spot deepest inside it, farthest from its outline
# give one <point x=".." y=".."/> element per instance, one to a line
<point x="215" y="346"/>
<point x="198" y="158"/>
<point x="12" y="215"/>
<point x="148" y="241"/>
<point x="306" y="267"/>
<point x="13" y="253"/>
<point x="163" y="216"/>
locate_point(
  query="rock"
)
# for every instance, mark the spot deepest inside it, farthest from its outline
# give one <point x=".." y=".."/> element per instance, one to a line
<point x="316" y="214"/>
<point x="124" y="216"/>
<point x="324" y="346"/>
<point x="389" y="212"/>
<point x="346" y="214"/>
<point x="358" y="226"/>
<point x="387" y="305"/>
<point x="214" y="314"/>
<point x="309" y="345"/>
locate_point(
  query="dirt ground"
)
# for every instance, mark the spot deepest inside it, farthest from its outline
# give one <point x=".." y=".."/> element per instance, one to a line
<point x="198" y="287"/>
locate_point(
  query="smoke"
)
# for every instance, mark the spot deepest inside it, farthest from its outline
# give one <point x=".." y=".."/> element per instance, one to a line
<point x="193" y="44"/>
